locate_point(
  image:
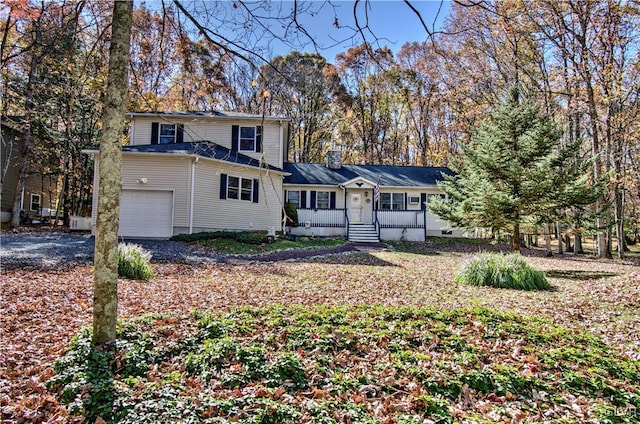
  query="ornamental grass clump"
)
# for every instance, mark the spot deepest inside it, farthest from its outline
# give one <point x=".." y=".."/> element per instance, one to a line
<point x="501" y="271"/>
<point x="134" y="262"/>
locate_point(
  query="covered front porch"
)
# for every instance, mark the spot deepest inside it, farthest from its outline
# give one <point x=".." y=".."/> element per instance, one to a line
<point x="361" y="219"/>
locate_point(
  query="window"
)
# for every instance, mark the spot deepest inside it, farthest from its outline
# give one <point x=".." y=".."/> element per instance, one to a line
<point x="167" y="134"/>
<point x="239" y="188"/>
<point x="248" y="138"/>
<point x="246" y="188"/>
<point x="414" y="200"/>
<point x="35" y="202"/>
<point x="322" y="200"/>
<point x="391" y="201"/>
<point x="293" y="196"/>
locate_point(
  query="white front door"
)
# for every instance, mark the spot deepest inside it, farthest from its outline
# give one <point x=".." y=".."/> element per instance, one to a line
<point x="355" y="207"/>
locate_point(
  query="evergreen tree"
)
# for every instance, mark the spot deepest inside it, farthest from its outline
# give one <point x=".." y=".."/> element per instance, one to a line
<point x="514" y="170"/>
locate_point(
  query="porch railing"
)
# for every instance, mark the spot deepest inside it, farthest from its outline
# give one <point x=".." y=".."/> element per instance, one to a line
<point x="321" y="217"/>
<point x="401" y="218"/>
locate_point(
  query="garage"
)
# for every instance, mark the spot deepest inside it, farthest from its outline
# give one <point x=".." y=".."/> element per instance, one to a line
<point x="146" y="214"/>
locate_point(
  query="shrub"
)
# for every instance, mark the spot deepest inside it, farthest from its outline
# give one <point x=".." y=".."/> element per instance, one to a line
<point x="245" y="237"/>
<point x="291" y="213"/>
<point x="133" y="262"/>
<point x="501" y="271"/>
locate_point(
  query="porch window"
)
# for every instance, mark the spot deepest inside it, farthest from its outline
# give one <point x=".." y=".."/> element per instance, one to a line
<point x="167" y="134"/>
<point x="293" y="196"/>
<point x="322" y="200"/>
<point x="248" y="139"/>
<point x="391" y="201"/>
<point x="35" y="202"/>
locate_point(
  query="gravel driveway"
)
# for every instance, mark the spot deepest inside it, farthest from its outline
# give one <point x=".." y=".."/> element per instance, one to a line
<point x="50" y="249"/>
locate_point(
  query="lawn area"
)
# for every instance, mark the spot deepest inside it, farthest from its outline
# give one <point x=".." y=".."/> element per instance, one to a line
<point x="428" y="348"/>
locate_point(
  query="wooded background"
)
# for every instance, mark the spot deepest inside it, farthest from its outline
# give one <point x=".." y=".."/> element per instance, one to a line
<point x="578" y="60"/>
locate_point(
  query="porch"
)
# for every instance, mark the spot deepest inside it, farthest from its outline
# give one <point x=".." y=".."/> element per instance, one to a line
<point x="400" y="224"/>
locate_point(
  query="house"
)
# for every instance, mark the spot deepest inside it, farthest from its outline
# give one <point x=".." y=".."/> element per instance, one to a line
<point x="39" y="196"/>
<point x="365" y="202"/>
<point x="187" y="172"/>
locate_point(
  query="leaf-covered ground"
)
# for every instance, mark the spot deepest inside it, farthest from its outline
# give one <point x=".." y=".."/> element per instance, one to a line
<point x="42" y="310"/>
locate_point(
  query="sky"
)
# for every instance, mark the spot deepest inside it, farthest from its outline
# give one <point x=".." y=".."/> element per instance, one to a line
<point x="391" y="21"/>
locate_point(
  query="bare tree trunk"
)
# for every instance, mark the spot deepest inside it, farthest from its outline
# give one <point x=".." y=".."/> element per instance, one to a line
<point x="516" y="237"/>
<point x="105" y="280"/>
<point x="547" y="240"/>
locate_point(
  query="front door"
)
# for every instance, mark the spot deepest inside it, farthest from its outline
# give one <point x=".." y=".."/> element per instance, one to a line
<point x="355" y="207"/>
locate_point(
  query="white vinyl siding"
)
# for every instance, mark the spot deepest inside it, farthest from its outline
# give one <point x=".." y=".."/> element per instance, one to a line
<point x="213" y="213"/>
<point x="216" y="131"/>
<point x="161" y="173"/>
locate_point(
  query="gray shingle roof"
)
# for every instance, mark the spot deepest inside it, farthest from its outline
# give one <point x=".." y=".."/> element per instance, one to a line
<point x="387" y="175"/>
<point x="204" y="149"/>
<point x="210" y="114"/>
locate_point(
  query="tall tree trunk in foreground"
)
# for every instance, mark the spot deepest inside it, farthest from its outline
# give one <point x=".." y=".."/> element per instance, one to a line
<point x="105" y="278"/>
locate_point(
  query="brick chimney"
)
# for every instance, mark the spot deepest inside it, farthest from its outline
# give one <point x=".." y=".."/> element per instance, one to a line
<point x="334" y="159"/>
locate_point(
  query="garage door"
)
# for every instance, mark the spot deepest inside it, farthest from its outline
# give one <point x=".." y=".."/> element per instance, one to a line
<point x="146" y="214"/>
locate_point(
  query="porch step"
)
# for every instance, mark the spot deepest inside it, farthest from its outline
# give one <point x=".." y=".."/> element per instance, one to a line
<point x="363" y="233"/>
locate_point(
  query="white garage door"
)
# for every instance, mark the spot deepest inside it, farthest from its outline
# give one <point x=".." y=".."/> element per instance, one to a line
<point x="146" y="214"/>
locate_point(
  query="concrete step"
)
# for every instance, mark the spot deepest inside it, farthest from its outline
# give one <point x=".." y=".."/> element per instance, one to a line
<point x="363" y="233"/>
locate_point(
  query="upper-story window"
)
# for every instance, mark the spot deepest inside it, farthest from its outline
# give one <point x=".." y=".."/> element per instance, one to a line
<point x="162" y="133"/>
<point x="167" y="134"/>
<point x="246" y="138"/>
<point x="391" y="201"/>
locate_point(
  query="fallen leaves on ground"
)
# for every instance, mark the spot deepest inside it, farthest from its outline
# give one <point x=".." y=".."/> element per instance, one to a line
<point x="43" y="310"/>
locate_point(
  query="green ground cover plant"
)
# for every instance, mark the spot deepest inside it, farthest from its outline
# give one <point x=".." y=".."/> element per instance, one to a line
<point x="359" y="364"/>
<point x="510" y="271"/>
<point x="252" y="242"/>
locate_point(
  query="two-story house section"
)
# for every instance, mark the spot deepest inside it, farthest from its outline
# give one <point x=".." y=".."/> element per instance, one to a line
<point x="186" y="172"/>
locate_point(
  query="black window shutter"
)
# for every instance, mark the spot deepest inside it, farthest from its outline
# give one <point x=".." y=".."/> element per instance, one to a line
<point x="406" y="196"/>
<point x="285" y="197"/>
<point x="423" y="201"/>
<point x="235" y="132"/>
<point x="303" y="199"/>
<point x="332" y="200"/>
<point x="313" y="199"/>
<point x="256" y="191"/>
<point x="259" y="138"/>
<point x="179" y="133"/>
<point x="154" y="132"/>
<point x="223" y="186"/>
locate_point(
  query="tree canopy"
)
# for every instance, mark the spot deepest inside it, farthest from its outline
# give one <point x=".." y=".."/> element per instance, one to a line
<point x="514" y="170"/>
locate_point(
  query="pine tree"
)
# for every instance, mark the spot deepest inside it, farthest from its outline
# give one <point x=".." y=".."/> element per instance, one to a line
<point x="515" y="171"/>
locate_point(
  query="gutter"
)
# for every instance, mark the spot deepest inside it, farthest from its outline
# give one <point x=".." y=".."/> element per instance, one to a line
<point x="193" y="156"/>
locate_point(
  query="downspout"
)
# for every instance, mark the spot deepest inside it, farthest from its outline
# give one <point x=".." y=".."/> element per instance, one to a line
<point x="281" y="146"/>
<point x="192" y="192"/>
<point x="424" y="215"/>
